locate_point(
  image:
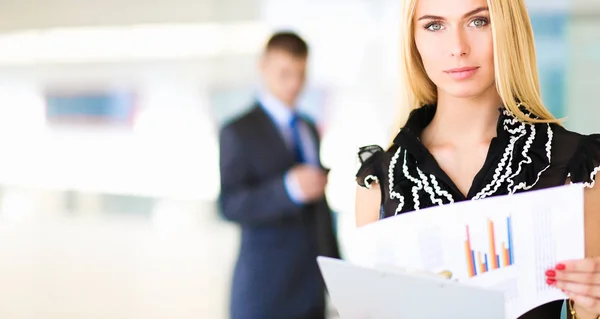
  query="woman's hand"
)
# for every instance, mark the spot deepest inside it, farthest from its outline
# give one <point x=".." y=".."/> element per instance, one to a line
<point x="580" y="281"/>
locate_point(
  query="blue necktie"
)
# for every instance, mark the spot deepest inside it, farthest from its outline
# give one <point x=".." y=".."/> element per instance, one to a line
<point x="296" y="140"/>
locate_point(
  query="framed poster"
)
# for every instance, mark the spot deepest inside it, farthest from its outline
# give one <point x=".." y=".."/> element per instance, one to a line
<point x="92" y="106"/>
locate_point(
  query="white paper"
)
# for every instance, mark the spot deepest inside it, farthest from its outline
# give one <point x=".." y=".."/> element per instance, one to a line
<point x="546" y="227"/>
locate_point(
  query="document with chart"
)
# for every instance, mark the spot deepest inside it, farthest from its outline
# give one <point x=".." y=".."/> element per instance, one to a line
<point x="503" y="243"/>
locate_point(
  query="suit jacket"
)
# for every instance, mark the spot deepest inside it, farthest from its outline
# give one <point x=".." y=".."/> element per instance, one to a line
<point x="276" y="275"/>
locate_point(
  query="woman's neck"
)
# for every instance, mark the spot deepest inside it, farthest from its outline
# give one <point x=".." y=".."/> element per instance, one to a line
<point x="463" y="120"/>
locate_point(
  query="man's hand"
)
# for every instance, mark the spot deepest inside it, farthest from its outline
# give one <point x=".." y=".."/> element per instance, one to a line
<point x="311" y="180"/>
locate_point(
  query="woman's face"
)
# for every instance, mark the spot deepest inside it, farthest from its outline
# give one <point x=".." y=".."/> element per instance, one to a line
<point x="454" y="40"/>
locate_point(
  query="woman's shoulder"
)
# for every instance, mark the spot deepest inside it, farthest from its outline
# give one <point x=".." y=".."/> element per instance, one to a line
<point x="563" y="134"/>
<point x="578" y="153"/>
<point x="373" y="162"/>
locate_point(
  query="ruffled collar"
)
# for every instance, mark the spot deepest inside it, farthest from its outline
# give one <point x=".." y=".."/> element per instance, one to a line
<point x="518" y="156"/>
<point x="410" y="135"/>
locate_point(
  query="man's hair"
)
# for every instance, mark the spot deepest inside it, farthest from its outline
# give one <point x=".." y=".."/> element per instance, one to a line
<point x="288" y="42"/>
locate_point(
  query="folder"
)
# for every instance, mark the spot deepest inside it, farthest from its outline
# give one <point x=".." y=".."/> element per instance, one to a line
<point x="375" y="293"/>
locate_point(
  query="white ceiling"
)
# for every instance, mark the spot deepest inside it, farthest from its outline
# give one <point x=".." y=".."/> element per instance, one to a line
<point x="34" y="14"/>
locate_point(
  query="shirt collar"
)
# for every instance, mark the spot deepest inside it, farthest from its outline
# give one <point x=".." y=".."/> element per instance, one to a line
<point x="277" y="109"/>
<point x="409" y="136"/>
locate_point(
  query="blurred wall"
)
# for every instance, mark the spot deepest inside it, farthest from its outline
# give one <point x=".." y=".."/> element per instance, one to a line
<point x="122" y="221"/>
<point x="33" y="14"/>
<point x="583" y="77"/>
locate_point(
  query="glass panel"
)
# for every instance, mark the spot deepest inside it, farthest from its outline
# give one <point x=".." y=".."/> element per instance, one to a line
<point x="551" y="46"/>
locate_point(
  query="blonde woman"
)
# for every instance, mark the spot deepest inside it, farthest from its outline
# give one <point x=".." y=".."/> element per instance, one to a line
<point x="478" y="128"/>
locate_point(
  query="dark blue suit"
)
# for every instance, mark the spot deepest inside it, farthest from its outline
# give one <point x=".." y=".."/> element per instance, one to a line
<point x="276" y="275"/>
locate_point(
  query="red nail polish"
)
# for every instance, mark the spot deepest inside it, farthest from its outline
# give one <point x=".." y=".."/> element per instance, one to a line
<point x="561" y="267"/>
<point x="551" y="273"/>
<point x="550" y="281"/>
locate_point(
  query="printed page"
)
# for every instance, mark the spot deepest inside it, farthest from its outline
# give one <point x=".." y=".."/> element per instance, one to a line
<point x="505" y="243"/>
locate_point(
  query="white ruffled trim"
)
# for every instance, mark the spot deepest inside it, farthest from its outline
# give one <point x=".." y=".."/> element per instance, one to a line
<point x="420" y="184"/>
<point x="527" y="160"/>
<point x="439" y="191"/>
<point x="508" y="153"/>
<point x="497" y="179"/>
<point x="372" y="178"/>
<point x="592" y="178"/>
<point x="549" y="143"/>
<point x="394" y="194"/>
<point x="416" y="188"/>
<point x="523" y="185"/>
<point x="428" y="189"/>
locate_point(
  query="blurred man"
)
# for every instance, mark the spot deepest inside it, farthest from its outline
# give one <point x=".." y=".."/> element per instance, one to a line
<point x="272" y="184"/>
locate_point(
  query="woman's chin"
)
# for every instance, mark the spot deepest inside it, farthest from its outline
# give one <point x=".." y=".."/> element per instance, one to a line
<point x="466" y="90"/>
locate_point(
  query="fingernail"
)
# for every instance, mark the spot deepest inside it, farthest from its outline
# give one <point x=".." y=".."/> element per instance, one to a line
<point x="561" y="267"/>
<point x="551" y="281"/>
<point x="551" y="273"/>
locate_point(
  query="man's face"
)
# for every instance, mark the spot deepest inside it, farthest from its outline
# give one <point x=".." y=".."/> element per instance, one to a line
<point x="284" y="74"/>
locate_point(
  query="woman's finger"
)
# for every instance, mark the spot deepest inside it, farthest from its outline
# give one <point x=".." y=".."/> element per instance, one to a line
<point x="576" y="277"/>
<point x="579" y="289"/>
<point x="589" y="265"/>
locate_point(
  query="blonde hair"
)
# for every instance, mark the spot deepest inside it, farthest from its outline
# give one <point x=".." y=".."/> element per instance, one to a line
<point x="515" y="64"/>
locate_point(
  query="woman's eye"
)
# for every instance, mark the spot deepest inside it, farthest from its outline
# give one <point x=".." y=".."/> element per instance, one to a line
<point x="479" y="22"/>
<point x="434" y="26"/>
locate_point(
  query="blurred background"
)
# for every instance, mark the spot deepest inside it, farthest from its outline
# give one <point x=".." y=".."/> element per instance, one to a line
<point x="109" y="113"/>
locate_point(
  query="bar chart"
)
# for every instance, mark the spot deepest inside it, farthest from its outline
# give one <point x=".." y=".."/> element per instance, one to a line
<point x="496" y="254"/>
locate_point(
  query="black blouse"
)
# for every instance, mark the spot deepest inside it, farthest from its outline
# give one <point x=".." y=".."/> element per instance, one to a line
<point x="521" y="157"/>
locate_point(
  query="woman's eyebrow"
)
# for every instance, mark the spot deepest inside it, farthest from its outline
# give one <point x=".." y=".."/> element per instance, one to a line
<point x="468" y="14"/>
